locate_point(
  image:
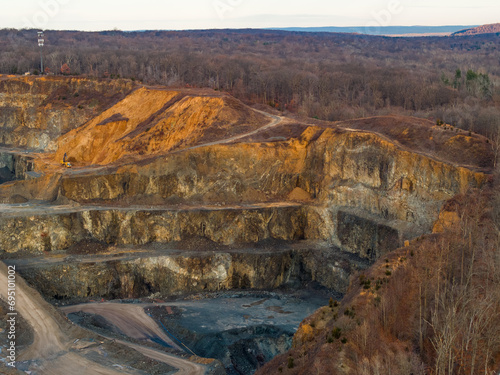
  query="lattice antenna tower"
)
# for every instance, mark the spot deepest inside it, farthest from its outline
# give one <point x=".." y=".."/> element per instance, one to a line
<point x="41" y="41"/>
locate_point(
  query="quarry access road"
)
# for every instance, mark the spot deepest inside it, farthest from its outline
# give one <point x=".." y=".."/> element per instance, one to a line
<point x="17" y="150"/>
<point x="185" y="367"/>
<point x="276" y="120"/>
<point x="46" y="208"/>
<point x="50" y="344"/>
<point x="133" y="321"/>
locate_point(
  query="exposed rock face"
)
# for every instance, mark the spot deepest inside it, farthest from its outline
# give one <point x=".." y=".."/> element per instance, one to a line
<point x="184" y="163"/>
<point x="349" y="169"/>
<point x="15" y="166"/>
<point x="369" y="238"/>
<point x="38" y="232"/>
<point x="35" y="111"/>
<point x="7" y="171"/>
<point x="357" y="171"/>
<point x="132" y="275"/>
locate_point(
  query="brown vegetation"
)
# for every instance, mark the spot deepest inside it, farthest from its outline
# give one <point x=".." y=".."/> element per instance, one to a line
<point x="430" y="308"/>
<point x="483" y="29"/>
<point x="325" y="75"/>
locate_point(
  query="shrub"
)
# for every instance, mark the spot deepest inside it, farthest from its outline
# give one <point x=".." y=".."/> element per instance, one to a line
<point x="350" y="313"/>
<point x="336" y="332"/>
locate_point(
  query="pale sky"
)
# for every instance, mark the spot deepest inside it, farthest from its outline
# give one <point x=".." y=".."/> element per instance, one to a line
<point x="93" y="15"/>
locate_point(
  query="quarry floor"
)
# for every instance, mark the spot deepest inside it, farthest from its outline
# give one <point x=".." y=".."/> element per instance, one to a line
<point x="211" y="312"/>
<point x="202" y="315"/>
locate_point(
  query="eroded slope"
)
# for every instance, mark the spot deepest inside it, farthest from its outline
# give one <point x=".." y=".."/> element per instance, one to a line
<point x="152" y="121"/>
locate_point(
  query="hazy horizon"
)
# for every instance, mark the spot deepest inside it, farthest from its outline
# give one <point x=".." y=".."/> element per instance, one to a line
<point x="219" y="14"/>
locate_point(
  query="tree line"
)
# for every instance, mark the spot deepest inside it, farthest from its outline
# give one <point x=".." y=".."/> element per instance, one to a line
<point x="323" y="75"/>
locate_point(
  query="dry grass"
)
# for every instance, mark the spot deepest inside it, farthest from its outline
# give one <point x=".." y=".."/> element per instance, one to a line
<point x="422" y="309"/>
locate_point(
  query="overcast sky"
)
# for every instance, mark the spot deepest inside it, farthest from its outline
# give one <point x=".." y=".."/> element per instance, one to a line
<point x="202" y="14"/>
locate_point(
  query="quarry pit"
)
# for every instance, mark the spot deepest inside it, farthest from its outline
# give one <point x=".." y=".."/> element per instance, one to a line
<point x="179" y="193"/>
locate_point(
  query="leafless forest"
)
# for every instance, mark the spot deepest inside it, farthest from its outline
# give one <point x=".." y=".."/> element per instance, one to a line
<point x="324" y="75"/>
<point x="430" y="308"/>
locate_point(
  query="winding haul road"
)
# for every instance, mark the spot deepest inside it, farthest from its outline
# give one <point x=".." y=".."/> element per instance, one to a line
<point x="276" y="120"/>
<point x="52" y="342"/>
<point x="185" y="367"/>
<point x="133" y="321"/>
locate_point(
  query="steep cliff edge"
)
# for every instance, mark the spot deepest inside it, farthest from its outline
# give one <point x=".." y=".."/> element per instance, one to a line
<point x="34" y="111"/>
<point x="337" y="169"/>
<point x="181" y="191"/>
<point x="164" y="165"/>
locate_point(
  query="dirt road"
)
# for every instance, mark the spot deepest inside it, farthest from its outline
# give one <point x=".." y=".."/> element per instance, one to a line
<point x="133" y="321"/>
<point x="52" y="342"/>
<point x="185" y="367"/>
<point x="276" y="120"/>
<point x="47" y="208"/>
<point x="129" y="319"/>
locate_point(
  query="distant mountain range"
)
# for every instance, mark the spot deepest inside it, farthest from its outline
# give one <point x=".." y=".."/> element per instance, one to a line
<point x="456" y="30"/>
<point x="484" y="29"/>
<point x="384" y="30"/>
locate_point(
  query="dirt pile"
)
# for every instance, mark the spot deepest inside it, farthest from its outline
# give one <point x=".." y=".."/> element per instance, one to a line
<point x="153" y="121"/>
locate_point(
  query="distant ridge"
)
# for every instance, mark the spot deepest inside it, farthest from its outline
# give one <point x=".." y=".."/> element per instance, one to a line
<point x="483" y="29"/>
<point x="382" y="30"/>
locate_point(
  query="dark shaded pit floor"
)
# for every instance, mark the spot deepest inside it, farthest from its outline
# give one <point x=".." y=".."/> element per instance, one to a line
<point x="242" y="330"/>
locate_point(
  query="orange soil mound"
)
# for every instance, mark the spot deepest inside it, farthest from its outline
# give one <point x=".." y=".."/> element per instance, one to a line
<point x="151" y="121"/>
<point x="299" y="195"/>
